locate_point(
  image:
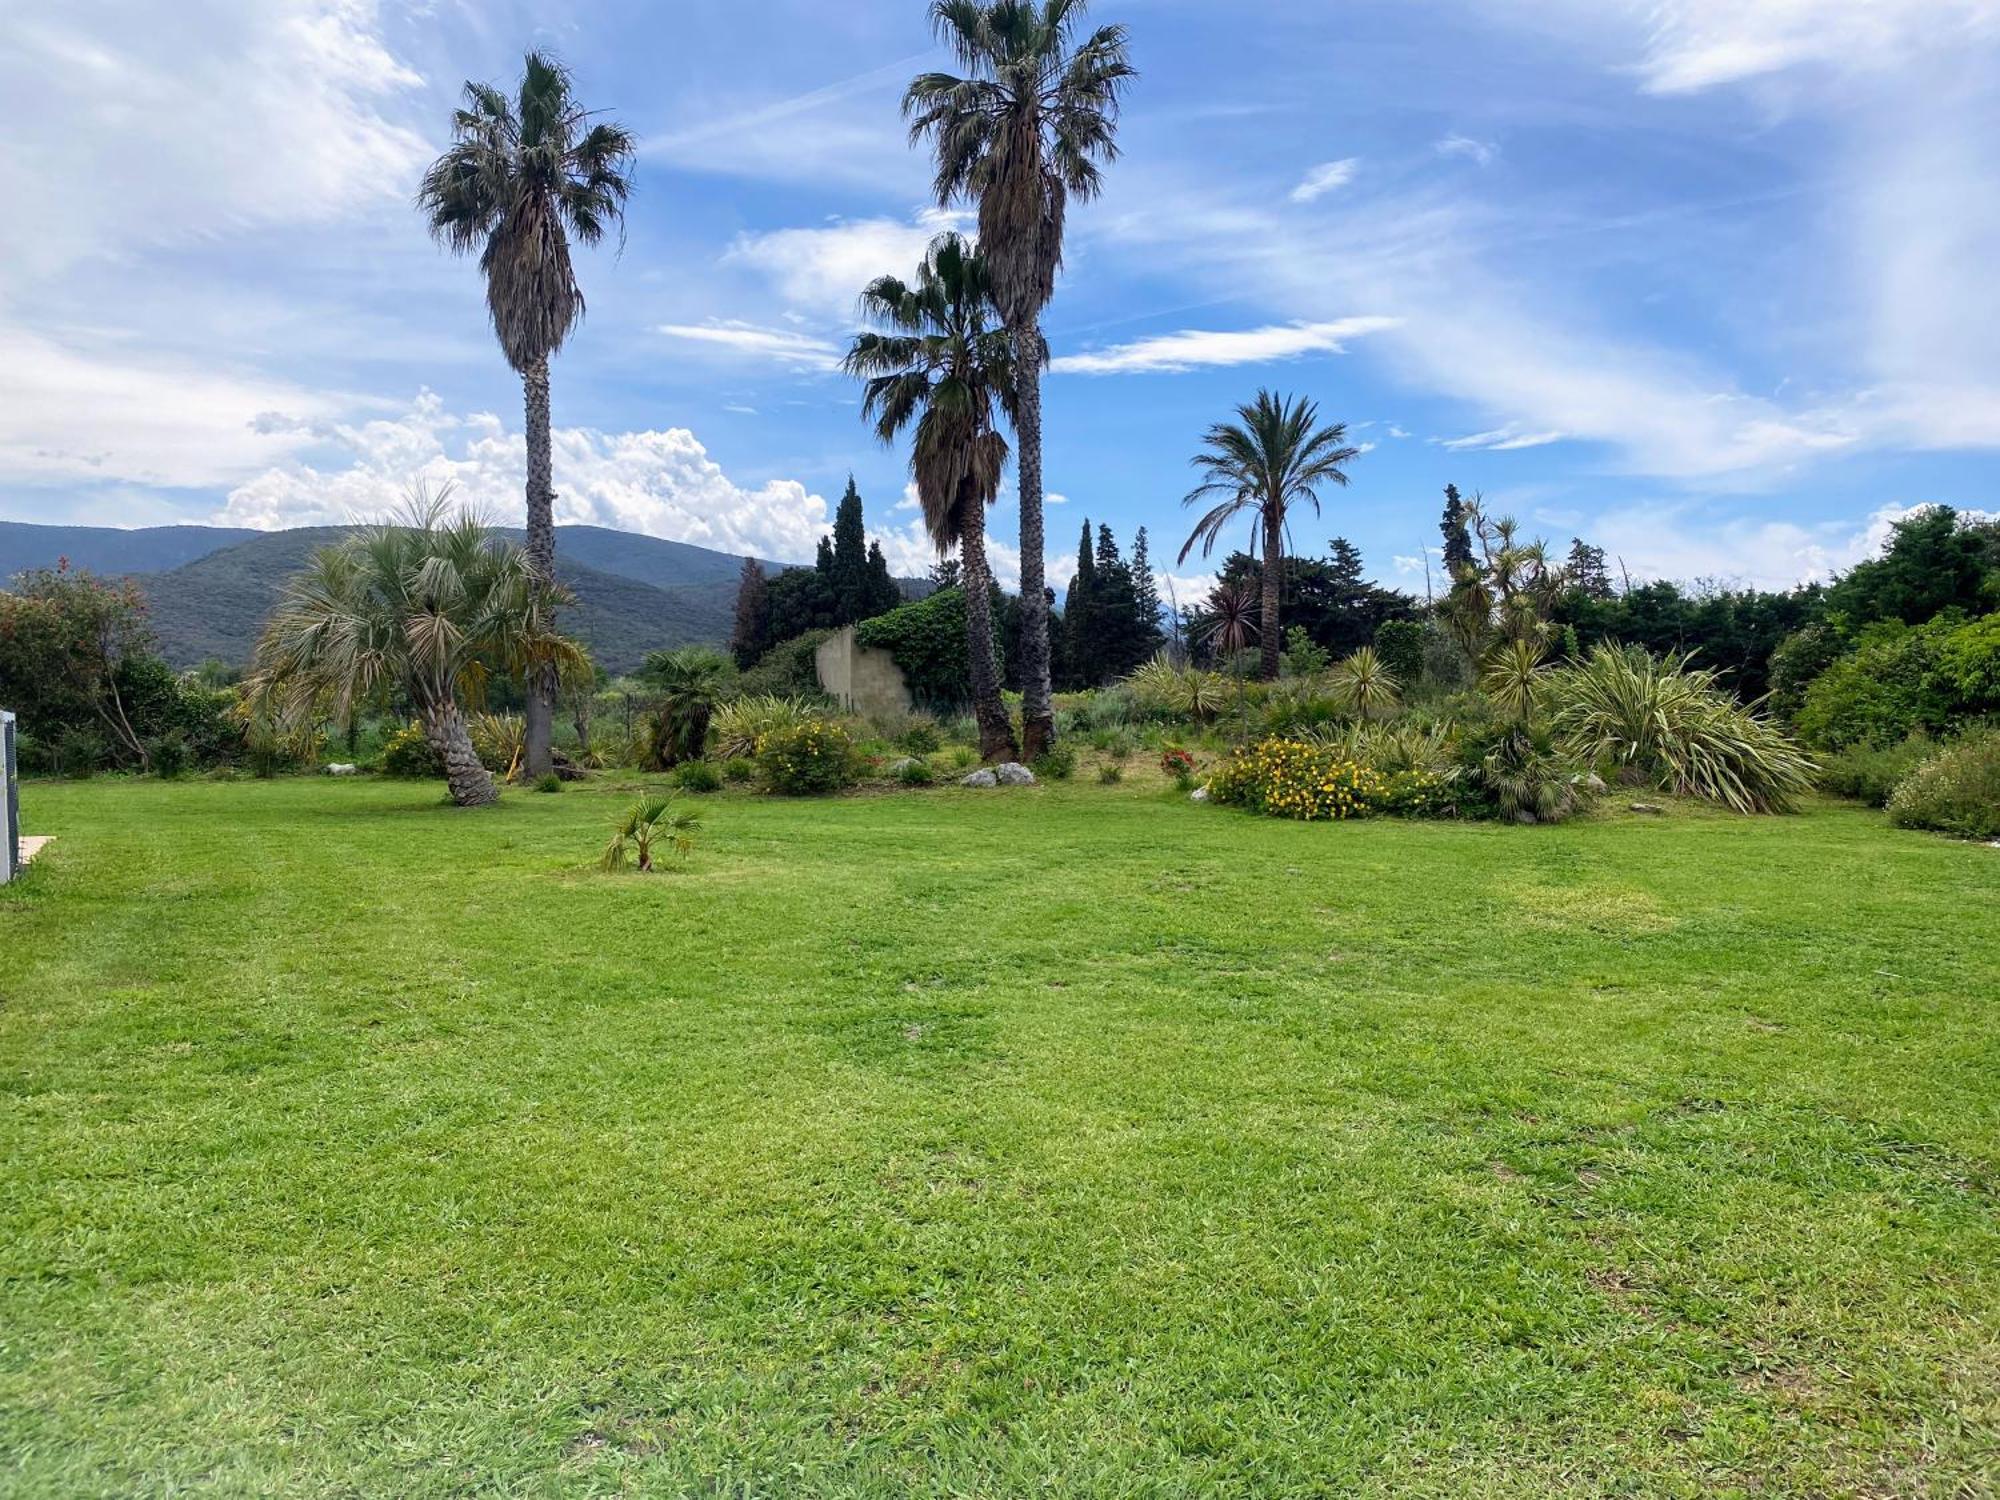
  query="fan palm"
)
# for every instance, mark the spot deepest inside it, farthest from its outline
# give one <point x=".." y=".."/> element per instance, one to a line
<point x="1276" y="457"/>
<point x="650" y="821"/>
<point x="689" y="680"/>
<point x="945" y="365"/>
<point x="1029" y="127"/>
<point x="522" y="178"/>
<point x="432" y="606"/>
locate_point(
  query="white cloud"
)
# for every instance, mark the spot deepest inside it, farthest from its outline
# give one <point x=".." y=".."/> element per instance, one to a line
<point x="1702" y="44"/>
<point x="1324" y="178"/>
<point x="822" y="271"/>
<point x="661" y="483"/>
<point x="105" y="412"/>
<point x="1478" y="151"/>
<point x="1502" y="440"/>
<point x="1050" y="497"/>
<point x="747" y="339"/>
<point x="1397" y="432"/>
<point x="1193" y="348"/>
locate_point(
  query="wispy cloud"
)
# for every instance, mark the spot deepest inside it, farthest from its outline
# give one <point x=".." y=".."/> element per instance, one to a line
<point x="747" y="339"/>
<point x="1501" y="440"/>
<point x="1324" y="178"/>
<point x="1702" y="44"/>
<point x="1478" y="151"/>
<point x="1196" y="348"/>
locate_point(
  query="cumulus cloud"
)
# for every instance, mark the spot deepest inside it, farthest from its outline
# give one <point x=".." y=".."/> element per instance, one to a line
<point x="1195" y="348"/>
<point x="1324" y="178"/>
<point x="662" y="483"/>
<point x="822" y="271"/>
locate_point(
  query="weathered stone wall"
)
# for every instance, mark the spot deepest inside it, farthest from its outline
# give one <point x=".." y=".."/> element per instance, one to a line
<point x="862" y="679"/>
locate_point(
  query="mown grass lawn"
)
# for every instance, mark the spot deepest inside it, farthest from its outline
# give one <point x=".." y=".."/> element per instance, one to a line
<point x="1074" y="1141"/>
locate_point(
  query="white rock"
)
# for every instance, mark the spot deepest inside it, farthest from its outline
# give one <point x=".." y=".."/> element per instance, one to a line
<point x="1199" y="794"/>
<point x="342" y="768"/>
<point x="981" y="777"/>
<point x="1013" y="773"/>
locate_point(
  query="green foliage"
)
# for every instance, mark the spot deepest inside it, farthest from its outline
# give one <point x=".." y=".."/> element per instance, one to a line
<point x="1164" y="690"/>
<point x="926" y="638"/>
<point x="689" y="681"/>
<point x="651" y="824"/>
<point x="1672" y="723"/>
<point x="698" y="776"/>
<point x="1935" y="561"/>
<point x="1363" y="686"/>
<point x="409" y="753"/>
<point x="1797" y="660"/>
<point x="806" y="759"/>
<point x="1302" y="657"/>
<point x="1880" y="692"/>
<point x="548" y="782"/>
<point x="740" y="723"/>
<point x="1967" y="669"/>
<point x="1058" y="763"/>
<point x="739" y="769"/>
<point x="1110" y="775"/>
<point x="1956" y="791"/>
<point x="786" y="669"/>
<point x="1297" y="779"/>
<point x="915" y="772"/>
<point x="72" y="649"/>
<point x="921" y="737"/>
<point x="1400" y="644"/>
<point x="1870" y="774"/>
<point x="1525" y="771"/>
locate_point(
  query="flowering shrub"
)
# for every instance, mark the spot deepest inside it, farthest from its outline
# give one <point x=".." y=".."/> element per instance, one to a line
<point x="801" y="759"/>
<point x="1293" y="779"/>
<point x="1176" y="761"/>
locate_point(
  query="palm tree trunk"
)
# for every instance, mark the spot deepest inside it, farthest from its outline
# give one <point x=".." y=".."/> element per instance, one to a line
<point x="539" y="711"/>
<point x="470" y="784"/>
<point x="1038" y="717"/>
<point x="1274" y="582"/>
<point x="996" y="733"/>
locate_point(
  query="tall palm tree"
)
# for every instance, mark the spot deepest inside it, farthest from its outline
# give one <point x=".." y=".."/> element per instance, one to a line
<point x="523" y="176"/>
<point x="1027" y="129"/>
<point x="945" y="365"/>
<point x="1275" y="458"/>
<point x="431" y="605"/>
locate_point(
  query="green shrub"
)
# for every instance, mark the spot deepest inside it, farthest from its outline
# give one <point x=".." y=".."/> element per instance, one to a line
<point x="1956" y="791"/>
<point x="169" y="755"/>
<point x="548" y="782"/>
<point x="1524" y="770"/>
<point x="1868" y="774"/>
<point x="1055" y="764"/>
<point x="1162" y="689"/>
<point x="1110" y="775"/>
<point x="806" y="759"/>
<point x="698" y="776"/>
<point x="408" y="753"/>
<point x="787" y="670"/>
<point x="926" y="638"/>
<point x="1881" y="692"/>
<point x="1400" y="644"/>
<point x="739" y="724"/>
<point x="923" y="736"/>
<point x="1659" y="718"/>
<point x="739" y="769"/>
<point x="1968" y="666"/>
<point x="1303" y="656"/>
<point x="915" y="773"/>
<point x="963" y="756"/>
<point x="1119" y="746"/>
<point x="1297" y="779"/>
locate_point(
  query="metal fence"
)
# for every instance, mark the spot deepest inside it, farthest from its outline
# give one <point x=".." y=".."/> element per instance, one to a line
<point x="10" y="801"/>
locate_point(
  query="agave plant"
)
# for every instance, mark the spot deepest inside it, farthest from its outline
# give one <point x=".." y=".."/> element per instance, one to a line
<point x="1363" y="685"/>
<point x="738" y="724"/>
<point x="1661" y="719"/>
<point x="650" y="822"/>
<point x="500" y="740"/>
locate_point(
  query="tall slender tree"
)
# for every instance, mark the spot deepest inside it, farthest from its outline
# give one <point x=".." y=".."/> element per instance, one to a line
<point x="1276" y="457"/>
<point x="1078" y="628"/>
<point x="850" y="557"/>
<point x="522" y="178"/>
<point x="942" y="365"/>
<point x="1029" y="127"/>
<point x="753" y="613"/>
<point x="1145" y="595"/>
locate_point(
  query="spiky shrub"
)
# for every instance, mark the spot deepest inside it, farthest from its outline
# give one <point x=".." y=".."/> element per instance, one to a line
<point x="500" y="740"/>
<point x="1956" y="791"/>
<point x="688" y="681"/>
<point x="1165" y="690"/>
<point x="1364" y="686"/>
<point x="806" y="759"/>
<point x="654" y="823"/>
<point x="1529" y="778"/>
<point x="915" y="772"/>
<point x="736" y="726"/>
<point x="1659" y="719"/>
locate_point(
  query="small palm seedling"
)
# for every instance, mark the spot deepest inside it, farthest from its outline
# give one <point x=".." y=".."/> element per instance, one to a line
<point x="651" y="822"/>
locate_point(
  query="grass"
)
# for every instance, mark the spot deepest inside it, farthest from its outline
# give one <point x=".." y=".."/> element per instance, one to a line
<point x="1074" y="1140"/>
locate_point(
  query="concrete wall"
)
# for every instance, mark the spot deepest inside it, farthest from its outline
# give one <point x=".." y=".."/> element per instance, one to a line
<point x="862" y="679"/>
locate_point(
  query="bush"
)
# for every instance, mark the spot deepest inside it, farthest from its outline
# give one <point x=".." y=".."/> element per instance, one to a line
<point x="1400" y="644"/>
<point x="1530" y="780"/>
<point x="963" y="756"/>
<point x="787" y="670"/>
<point x="1297" y="779"/>
<point x="548" y="782"/>
<point x="698" y="776"/>
<point x="739" y="724"/>
<point x="1055" y="764"/>
<point x="927" y="640"/>
<point x="1109" y="775"/>
<point x="915" y="773"/>
<point x="1179" y="764"/>
<point x="806" y="759"/>
<point x="922" y="737"/>
<point x="1164" y="690"/>
<point x="169" y="755"/>
<point x="408" y="753"/>
<point x="1870" y="775"/>
<point x="1661" y="719"/>
<point x="1880" y="692"/>
<point x="1956" y="791"/>
<point x="739" y="769"/>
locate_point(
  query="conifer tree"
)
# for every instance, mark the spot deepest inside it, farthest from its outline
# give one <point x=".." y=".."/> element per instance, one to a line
<point x="849" y="572"/>
<point x="1145" y="594"/>
<point x="1457" y="533"/>
<point x="881" y="593"/>
<point x="753" y="614"/>
<point x="1078" y="628"/>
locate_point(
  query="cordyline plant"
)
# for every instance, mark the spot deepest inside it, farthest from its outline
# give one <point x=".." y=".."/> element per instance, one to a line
<point x="433" y="606"/>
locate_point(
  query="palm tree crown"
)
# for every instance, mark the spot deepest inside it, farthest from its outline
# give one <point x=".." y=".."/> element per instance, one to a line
<point x="1030" y="126"/>
<point x="1276" y="457"/>
<point x="521" y="178"/>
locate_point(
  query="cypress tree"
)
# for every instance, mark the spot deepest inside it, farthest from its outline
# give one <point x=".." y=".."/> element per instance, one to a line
<point x="849" y="570"/>
<point x="881" y="594"/>
<point x="1145" y="596"/>
<point x="753" y="614"/>
<point x="823" y="559"/>
<point x="1078" y="627"/>
<point x="1457" y="534"/>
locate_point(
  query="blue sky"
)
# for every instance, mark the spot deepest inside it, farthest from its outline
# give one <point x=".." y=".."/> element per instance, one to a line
<point x="1707" y="281"/>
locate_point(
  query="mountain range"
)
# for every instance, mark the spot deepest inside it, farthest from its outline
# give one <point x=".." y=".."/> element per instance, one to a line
<point x="209" y="588"/>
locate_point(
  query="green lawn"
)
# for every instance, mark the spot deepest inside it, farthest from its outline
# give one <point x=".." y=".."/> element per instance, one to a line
<point x="1075" y="1141"/>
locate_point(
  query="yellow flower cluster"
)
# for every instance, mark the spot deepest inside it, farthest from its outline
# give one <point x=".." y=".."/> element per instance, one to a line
<point x="1293" y="779"/>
